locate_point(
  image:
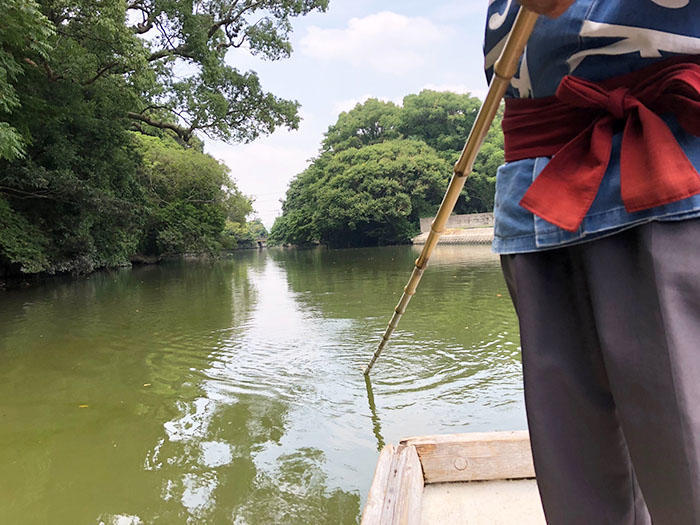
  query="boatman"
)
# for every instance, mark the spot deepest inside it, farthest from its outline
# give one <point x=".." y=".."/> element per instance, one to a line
<point x="598" y="224"/>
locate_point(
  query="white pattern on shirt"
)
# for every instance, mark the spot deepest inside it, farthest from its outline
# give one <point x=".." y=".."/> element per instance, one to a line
<point x="647" y="42"/>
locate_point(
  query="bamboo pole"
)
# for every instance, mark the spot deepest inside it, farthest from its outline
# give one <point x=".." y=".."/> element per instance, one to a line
<point x="503" y="72"/>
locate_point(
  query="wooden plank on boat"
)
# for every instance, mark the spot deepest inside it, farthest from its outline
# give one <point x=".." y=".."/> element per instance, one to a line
<point x="407" y="491"/>
<point x="375" y="498"/>
<point x="474" y="456"/>
<point x="397" y="488"/>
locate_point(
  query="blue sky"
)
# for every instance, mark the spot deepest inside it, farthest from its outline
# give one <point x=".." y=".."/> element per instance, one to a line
<point x="356" y="50"/>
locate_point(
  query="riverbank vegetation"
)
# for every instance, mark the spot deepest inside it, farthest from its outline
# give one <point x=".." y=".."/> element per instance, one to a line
<point x="100" y="107"/>
<point x="382" y="167"/>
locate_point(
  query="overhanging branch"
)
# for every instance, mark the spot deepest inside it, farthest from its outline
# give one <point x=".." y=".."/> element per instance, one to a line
<point x="184" y="133"/>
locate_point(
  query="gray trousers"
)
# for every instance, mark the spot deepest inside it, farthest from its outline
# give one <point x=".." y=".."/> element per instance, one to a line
<point x="610" y="334"/>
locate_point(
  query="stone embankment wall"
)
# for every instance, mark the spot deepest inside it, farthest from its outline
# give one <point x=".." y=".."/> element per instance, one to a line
<point x="473" y="220"/>
<point x="476" y="228"/>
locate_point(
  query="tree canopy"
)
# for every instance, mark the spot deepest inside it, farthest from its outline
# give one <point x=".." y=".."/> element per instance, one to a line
<point x="369" y="123"/>
<point x="368" y="195"/>
<point x="382" y="167"/>
<point x="102" y="110"/>
<point x="169" y="58"/>
<point x="24" y="36"/>
<point x="189" y="200"/>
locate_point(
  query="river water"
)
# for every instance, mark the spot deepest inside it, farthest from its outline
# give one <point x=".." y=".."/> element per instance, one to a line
<point x="232" y="391"/>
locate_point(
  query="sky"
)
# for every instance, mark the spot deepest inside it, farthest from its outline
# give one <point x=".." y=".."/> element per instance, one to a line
<point x="357" y="49"/>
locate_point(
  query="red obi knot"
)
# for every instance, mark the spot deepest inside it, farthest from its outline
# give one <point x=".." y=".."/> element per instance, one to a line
<point x="618" y="104"/>
<point x="576" y="127"/>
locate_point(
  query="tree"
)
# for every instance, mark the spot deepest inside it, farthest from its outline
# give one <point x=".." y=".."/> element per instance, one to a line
<point x="295" y="226"/>
<point x="372" y="195"/>
<point x="172" y="58"/>
<point x="480" y="189"/>
<point x="383" y="167"/>
<point x="75" y="193"/>
<point x="257" y="229"/>
<point x="439" y="118"/>
<point x="444" y="120"/>
<point x="24" y="36"/>
<point x="369" y="123"/>
<point x="243" y="234"/>
<point x="77" y="182"/>
<point x="189" y="196"/>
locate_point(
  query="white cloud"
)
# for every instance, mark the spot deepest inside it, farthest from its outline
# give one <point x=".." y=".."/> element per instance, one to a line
<point x="386" y="41"/>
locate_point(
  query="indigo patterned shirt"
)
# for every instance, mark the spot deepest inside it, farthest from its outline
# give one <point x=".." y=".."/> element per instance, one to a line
<point x="594" y="40"/>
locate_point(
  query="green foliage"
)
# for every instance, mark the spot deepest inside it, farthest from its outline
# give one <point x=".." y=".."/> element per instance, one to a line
<point x="78" y="181"/>
<point x="480" y="188"/>
<point x="167" y="58"/>
<point x="369" y="123"/>
<point x="177" y="72"/>
<point x="21" y="242"/>
<point x="443" y="120"/>
<point x="99" y="157"/>
<point x="440" y="119"/>
<point x="370" y="195"/>
<point x="383" y="167"/>
<point x="189" y="198"/>
<point x="257" y="229"/>
<point x="243" y="234"/>
<point x="11" y="142"/>
<point x="24" y="36"/>
<point x="237" y="235"/>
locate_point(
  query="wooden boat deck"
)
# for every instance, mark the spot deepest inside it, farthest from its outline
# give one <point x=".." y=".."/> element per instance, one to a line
<point x="500" y="502"/>
<point x="479" y="478"/>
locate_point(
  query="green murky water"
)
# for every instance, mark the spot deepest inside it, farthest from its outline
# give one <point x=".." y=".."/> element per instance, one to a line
<point x="232" y="392"/>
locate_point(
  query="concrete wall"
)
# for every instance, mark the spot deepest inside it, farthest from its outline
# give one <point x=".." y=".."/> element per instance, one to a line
<point x="473" y="220"/>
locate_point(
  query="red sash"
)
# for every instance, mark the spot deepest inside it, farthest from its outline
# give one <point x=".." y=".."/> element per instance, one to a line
<point x="576" y="126"/>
